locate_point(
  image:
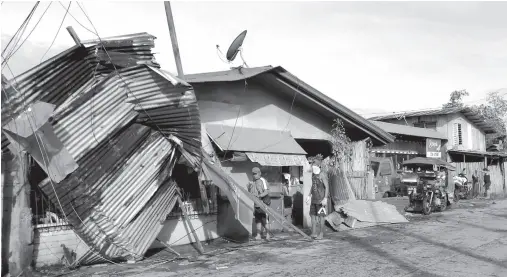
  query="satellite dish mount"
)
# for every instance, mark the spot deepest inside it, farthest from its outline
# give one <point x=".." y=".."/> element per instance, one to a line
<point x="235" y="48"/>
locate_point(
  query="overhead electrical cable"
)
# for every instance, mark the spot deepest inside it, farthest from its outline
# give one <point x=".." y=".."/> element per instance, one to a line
<point x="22" y="25"/>
<point x="44" y="13"/>
<point x="57" y="32"/>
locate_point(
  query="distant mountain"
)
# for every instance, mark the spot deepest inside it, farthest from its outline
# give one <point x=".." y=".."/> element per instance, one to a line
<point x="28" y="56"/>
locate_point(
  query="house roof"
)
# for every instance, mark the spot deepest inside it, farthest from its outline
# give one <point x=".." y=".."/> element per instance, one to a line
<point x="282" y="80"/>
<point x="409" y="130"/>
<point x="253" y="140"/>
<point x="478" y="153"/>
<point x="469" y="113"/>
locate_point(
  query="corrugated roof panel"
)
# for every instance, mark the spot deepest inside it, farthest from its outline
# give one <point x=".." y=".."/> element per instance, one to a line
<point x="468" y="112"/>
<point x="117" y="197"/>
<point x="409" y="130"/>
<point x="253" y="140"/>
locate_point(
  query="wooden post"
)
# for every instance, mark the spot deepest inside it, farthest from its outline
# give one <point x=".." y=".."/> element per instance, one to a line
<point x="74" y="36"/>
<point x="185" y="218"/>
<point x="174" y="40"/>
<point x="485" y="161"/>
<point x="17" y="232"/>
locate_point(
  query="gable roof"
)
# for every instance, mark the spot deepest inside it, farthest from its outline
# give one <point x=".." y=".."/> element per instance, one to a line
<point x="283" y="80"/>
<point x="469" y="113"/>
<point x="409" y="130"/>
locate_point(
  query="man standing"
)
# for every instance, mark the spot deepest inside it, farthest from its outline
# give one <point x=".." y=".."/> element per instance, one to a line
<point x="487" y="182"/>
<point x="260" y="189"/>
<point x="318" y="199"/>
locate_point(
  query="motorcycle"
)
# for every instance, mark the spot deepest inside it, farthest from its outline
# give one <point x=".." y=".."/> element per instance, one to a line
<point x="428" y="197"/>
<point x="462" y="188"/>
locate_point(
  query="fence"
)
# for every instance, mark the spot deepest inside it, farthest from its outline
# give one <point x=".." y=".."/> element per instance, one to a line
<point x="495" y="171"/>
<point x="357" y="169"/>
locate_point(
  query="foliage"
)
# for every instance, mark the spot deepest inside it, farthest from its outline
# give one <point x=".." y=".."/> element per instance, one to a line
<point x="494" y="111"/>
<point x="341" y="148"/>
<point x="456" y="99"/>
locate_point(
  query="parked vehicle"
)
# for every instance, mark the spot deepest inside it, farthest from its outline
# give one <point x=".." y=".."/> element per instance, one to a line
<point x="386" y="178"/>
<point x="462" y="188"/>
<point x="429" y="177"/>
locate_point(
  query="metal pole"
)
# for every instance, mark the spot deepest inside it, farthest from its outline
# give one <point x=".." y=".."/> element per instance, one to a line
<point x="174" y="40"/>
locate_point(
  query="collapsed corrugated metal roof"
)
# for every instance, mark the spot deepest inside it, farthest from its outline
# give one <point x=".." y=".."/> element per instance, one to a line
<point x="118" y="127"/>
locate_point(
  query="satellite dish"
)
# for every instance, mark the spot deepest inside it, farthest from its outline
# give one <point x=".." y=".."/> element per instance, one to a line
<point x="235" y="46"/>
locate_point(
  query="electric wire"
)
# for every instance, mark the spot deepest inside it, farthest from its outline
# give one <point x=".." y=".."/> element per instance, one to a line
<point x="57" y="32"/>
<point x="22" y="25"/>
<point x="75" y="19"/>
<point x="20" y="31"/>
<point x="40" y="18"/>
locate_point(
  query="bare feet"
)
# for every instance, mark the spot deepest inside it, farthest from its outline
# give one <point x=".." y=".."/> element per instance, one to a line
<point x="320" y="236"/>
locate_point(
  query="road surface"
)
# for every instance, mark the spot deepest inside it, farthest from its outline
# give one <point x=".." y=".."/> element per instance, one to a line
<point x="470" y="240"/>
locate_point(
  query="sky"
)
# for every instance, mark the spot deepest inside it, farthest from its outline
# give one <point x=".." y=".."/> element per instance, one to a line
<point x="373" y="57"/>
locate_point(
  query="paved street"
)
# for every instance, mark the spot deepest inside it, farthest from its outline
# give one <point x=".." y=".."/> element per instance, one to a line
<point x="470" y="240"/>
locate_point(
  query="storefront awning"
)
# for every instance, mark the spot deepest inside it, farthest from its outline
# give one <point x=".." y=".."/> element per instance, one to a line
<point x="254" y="140"/>
<point x="390" y="151"/>
<point x="268" y="159"/>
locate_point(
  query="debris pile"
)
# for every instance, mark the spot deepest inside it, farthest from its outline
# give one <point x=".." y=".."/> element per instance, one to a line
<point x="362" y="213"/>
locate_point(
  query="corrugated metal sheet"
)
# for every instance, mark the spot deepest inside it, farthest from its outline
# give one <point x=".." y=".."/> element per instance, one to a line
<point x="469" y="113"/>
<point x="125" y="129"/>
<point x="479" y="153"/>
<point x="253" y="140"/>
<point x="409" y="130"/>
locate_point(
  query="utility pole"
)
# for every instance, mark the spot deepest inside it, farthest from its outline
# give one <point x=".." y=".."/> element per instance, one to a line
<point x="174" y="40"/>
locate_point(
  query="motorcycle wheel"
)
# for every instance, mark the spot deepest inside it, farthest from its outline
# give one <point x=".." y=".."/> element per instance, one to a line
<point x="426" y="206"/>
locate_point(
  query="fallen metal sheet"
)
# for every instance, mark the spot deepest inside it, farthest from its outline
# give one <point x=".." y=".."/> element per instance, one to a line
<point x="125" y="128"/>
<point x="241" y="204"/>
<point x="102" y="202"/>
<point x="372" y="211"/>
<point x="30" y="130"/>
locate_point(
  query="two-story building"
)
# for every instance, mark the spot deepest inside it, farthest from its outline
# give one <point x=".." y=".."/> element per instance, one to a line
<point x="464" y="139"/>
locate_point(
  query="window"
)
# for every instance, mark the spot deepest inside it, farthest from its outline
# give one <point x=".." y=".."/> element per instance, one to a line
<point x="458" y="134"/>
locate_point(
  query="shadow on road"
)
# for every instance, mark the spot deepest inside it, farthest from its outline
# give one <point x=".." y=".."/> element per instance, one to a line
<point x="450" y="247"/>
<point x="385" y="255"/>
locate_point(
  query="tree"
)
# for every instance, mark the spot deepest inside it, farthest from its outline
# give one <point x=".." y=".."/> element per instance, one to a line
<point x="456" y="99"/>
<point x="494" y="111"/>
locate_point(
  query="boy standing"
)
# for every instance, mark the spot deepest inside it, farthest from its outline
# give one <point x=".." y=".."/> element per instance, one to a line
<point x="259" y="188"/>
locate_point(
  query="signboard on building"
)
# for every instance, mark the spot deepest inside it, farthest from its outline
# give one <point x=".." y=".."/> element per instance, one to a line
<point x="433" y="148"/>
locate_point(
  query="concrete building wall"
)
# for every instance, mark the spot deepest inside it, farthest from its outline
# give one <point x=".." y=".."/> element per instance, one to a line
<point x="48" y="241"/>
<point x="175" y="231"/>
<point x="260" y="108"/>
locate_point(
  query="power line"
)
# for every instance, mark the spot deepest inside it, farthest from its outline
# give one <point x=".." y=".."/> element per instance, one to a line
<point x="30" y="32"/>
<point x="77" y="20"/>
<point x="57" y="32"/>
<point x="22" y="25"/>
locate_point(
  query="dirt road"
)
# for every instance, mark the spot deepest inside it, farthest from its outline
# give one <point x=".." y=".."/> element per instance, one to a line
<point x="466" y="241"/>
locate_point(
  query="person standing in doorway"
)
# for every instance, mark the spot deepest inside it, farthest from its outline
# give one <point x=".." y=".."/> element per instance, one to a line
<point x="318" y="199"/>
<point x="487" y="182"/>
<point x="260" y="189"/>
